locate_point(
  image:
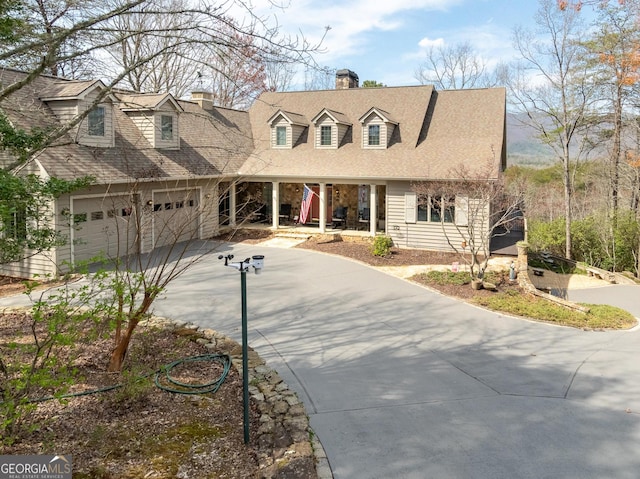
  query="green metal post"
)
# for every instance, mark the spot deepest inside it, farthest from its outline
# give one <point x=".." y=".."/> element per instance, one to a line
<point x="245" y="359"/>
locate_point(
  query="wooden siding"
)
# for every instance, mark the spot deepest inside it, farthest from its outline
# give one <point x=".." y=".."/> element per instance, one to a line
<point x="421" y="234"/>
<point x="281" y="122"/>
<point x="384" y="136"/>
<point x="65" y="111"/>
<point x="389" y="128"/>
<point x="106" y="141"/>
<point x="296" y="133"/>
<point x="326" y="120"/>
<point x="144" y="123"/>
<point x="210" y="212"/>
<point x="40" y="264"/>
<point x="342" y="131"/>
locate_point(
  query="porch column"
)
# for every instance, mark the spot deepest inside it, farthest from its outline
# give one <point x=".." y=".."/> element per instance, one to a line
<point x="373" y="209"/>
<point x="232" y="204"/>
<point x="323" y="208"/>
<point x="275" y="204"/>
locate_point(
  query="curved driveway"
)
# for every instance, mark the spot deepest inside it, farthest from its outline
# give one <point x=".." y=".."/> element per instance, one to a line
<point x="401" y="382"/>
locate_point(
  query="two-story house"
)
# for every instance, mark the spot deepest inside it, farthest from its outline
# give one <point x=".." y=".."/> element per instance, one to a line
<point x="167" y="170"/>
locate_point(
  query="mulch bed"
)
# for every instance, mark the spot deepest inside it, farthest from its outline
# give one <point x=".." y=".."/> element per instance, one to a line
<point x="138" y="431"/>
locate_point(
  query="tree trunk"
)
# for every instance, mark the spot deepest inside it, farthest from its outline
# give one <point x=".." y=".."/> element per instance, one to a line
<point x="615" y="153"/>
<point x="119" y="353"/>
<point x="567" y="208"/>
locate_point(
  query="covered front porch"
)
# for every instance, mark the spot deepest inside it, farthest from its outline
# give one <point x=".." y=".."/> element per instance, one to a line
<point x="345" y="207"/>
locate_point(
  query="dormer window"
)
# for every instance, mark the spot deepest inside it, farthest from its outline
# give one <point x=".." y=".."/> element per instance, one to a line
<point x="330" y="128"/>
<point x="286" y="129"/>
<point x="281" y="136"/>
<point x="373" y="138"/>
<point x="157" y="117"/>
<point x="377" y="129"/>
<point x="167" y="127"/>
<point x="71" y="98"/>
<point x="325" y="135"/>
<point x="95" y="121"/>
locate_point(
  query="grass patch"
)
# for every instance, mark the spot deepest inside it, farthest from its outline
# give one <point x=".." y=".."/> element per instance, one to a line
<point x="511" y="299"/>
<point x="516" y="303"/>
<point x="443" y="278"/>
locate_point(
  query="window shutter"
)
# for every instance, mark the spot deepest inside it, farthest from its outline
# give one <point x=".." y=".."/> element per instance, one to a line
<point x="410" y="207"/>
<point x="462" y="210"/>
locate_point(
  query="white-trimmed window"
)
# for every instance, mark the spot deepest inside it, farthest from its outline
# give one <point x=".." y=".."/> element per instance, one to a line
<point x="166" y="127"/>
<point x="325" y="135"/>
<point x="435" y="209"/>
<point x="373" y="138"/>
<point x="95" y="121"/>
<point x="281" y="136"/>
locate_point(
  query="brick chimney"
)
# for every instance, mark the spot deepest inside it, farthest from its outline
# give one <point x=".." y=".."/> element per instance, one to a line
<point x="202" y="98"/>
<point x="346" y="79"/>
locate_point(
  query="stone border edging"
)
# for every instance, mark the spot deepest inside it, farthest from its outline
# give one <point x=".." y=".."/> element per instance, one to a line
<point x="288" y="448"/>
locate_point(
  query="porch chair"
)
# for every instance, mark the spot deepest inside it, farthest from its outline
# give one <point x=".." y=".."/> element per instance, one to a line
<point x="285" y="212"/>
<point x="363" y="218"/>
<point x="339" y="218"/>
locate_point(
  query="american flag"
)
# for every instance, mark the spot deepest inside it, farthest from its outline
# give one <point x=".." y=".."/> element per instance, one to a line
<point x="307" y="196"/>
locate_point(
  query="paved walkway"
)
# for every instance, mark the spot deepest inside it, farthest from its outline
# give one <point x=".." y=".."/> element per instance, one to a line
<point x="401" y="382"/>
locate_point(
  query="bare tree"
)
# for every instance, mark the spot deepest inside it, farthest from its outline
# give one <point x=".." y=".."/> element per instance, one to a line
<point x="132" y="23"/>
<point x="472" y="210"/>
<point x="157" y="48"/>
<point x="613" y="52"/>
<point x="279" y="74"/>
<point x="237" y="68"/>
<point x="319" y="78"/>
<point x="454" y="67"/>
<point x="41" y="22"/>
<point x="551" y="87"/>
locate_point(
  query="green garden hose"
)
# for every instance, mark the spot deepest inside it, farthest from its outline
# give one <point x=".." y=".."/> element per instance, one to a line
<point x="186" y="388"/>
<point x="165" y="373"/>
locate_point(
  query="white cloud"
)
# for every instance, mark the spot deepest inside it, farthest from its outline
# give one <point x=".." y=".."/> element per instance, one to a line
<point x="427" y="43"/>
<point x="350" y="22"/>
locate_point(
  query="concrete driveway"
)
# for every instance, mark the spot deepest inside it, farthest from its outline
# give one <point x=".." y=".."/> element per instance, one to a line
<point x="402" y="382"/>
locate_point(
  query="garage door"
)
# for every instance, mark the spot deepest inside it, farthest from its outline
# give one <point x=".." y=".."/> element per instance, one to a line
<point x="175" y="216"/>
<point x="104" y="226"/>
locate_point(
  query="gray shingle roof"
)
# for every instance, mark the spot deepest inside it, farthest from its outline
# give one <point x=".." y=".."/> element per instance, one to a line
<point x="215" y="142"/>
<point x="436" y="132"/>
<point x="146" y="101"/>
<point x="67" y="89"/>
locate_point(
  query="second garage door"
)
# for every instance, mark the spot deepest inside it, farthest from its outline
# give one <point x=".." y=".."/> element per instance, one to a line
<point x="175" y="216"/>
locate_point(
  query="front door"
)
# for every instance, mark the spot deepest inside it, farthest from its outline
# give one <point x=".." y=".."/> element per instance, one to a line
<point x="315" y="204"/>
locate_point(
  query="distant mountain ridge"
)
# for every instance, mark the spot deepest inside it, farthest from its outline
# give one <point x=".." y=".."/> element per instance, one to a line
<point x="523" y="146"/>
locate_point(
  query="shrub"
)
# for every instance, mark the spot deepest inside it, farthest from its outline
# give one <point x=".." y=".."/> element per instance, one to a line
<point x="381" y="246"/>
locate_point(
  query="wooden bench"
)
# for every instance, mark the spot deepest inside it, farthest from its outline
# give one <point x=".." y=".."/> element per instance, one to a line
<point x="537" y="271"/>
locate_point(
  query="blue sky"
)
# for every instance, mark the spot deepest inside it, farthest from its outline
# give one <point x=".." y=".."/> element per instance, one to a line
<point x="386" y="40"/>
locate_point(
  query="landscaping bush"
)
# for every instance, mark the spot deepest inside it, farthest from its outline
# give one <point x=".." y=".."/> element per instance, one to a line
<point x="595" y="240"/>
<point x="381" y="246"/>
